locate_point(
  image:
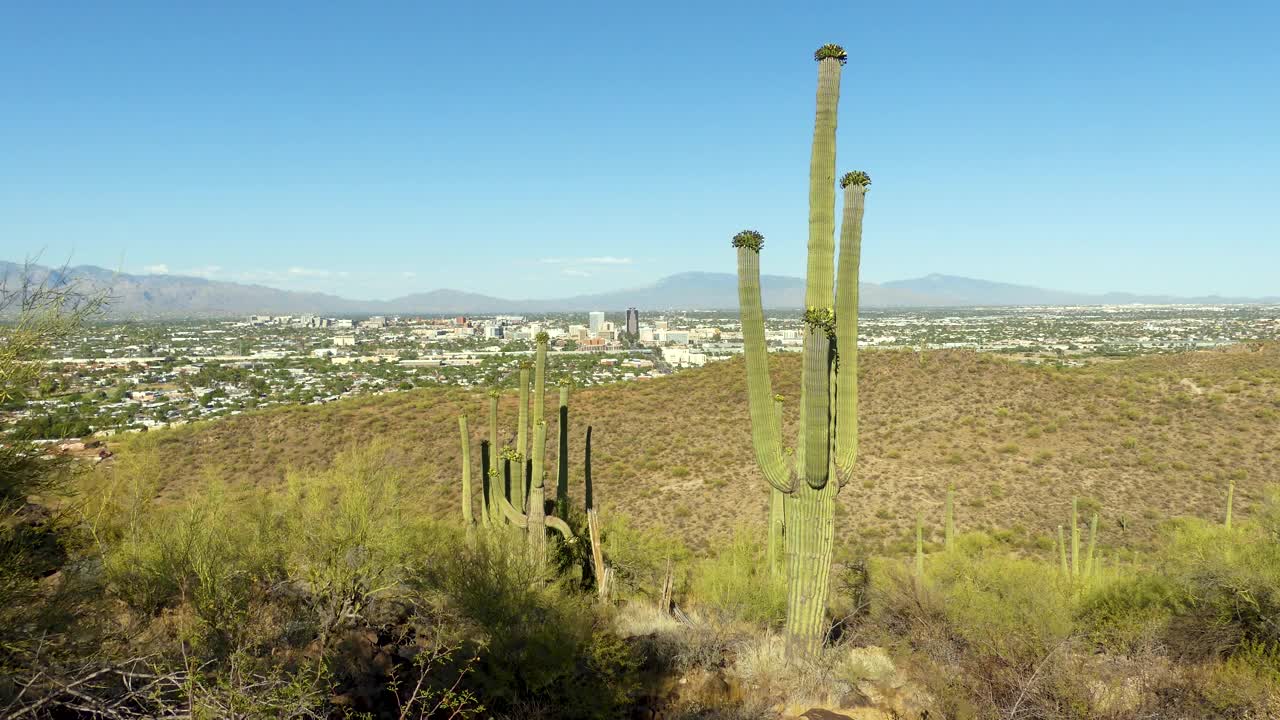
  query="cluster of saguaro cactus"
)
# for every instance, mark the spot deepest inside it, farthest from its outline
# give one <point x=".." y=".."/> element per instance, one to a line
<point x="1073" y="564"/>
<point x="514" y="480"/>
<point x="807" y="478"/>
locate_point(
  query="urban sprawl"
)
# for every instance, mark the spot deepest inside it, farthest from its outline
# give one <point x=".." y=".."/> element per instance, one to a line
<point x="135" y="376"/>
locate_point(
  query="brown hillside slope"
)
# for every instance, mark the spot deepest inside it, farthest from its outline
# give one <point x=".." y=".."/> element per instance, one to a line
<point x="1141" y="440"/>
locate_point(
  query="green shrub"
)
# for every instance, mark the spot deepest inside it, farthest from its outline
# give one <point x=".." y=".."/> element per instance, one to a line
<point x="537" y="644"/>
<point x="639" y="556"/>
<point x="990" y="630"/>
<point x="1128" y="613"/>
<point x="737" y="584"/>
<point x="1230" y="584"/>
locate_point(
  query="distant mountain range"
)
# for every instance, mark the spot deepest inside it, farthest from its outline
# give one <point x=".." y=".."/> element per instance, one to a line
<point x="175" y="296"/>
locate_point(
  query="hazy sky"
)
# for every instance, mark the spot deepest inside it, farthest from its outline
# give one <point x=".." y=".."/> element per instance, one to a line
<point x="537" y="149"/>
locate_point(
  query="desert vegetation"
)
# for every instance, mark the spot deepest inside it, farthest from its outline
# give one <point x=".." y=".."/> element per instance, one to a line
<point x="952" y="536"/>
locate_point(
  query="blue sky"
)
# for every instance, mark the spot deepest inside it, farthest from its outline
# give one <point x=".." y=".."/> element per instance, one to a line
<point x="546" y="149"/>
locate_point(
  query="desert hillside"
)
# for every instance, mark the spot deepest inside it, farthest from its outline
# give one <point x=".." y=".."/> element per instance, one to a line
<point x="1139" y="440"/>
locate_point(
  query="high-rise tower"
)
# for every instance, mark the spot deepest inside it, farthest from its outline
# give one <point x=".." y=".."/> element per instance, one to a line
<point x="633" y="321"/>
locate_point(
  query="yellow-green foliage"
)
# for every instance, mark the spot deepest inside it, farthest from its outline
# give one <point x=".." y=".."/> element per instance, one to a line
<point x="1229" y="583"/>
<point x="531" y="634"/>
<point x="339" y="532"/>
<point x="266" y="572"/>
<point x="998" y="634"/>
<point x="639" y="556"/>
<point x="737" y="583"/>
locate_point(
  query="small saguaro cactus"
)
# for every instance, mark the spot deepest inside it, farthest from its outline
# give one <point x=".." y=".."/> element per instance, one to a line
<point x="1062" y="553"/>
<point x="1231" y="497"/>
<point x="1076" y="566"/>
<point x="1075" y="537"/>
<point x="826" y="448"/>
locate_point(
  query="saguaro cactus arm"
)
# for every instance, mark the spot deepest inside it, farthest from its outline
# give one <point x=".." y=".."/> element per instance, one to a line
<point x="466" y="471"/>
<point x="495" y="484"/>
<point x="540" y="377"/>
<point x="522" y="440"/>
<point x="562" y="455"/>
<point x="822" y="179"/>
<point x="560" y="526"/>
<point x="855" y="186"/>
<point x="766" y="436"/>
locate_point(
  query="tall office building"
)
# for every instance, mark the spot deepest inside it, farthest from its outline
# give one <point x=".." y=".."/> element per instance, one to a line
<point x="633" y="321"/>
<point x="595" y="321"/>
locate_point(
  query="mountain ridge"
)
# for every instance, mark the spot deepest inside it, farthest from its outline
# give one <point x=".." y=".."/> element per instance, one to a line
<point x="178" y="296"/>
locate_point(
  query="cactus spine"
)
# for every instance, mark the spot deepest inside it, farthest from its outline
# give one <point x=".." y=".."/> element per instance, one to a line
<point x="826" y="446"/>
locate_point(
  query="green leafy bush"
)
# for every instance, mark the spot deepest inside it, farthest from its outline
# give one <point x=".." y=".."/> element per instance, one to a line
<point x="737" y="584"/>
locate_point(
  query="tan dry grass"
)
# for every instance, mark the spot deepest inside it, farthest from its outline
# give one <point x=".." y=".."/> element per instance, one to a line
<point x="1016" y="441"/>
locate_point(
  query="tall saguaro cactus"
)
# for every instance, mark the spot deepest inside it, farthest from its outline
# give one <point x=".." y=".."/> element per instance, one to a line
<point x="826" y="448"/>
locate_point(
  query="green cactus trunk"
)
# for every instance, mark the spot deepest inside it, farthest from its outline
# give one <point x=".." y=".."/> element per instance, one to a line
<point x="516" y="481"/>
<point x="537" y="515"/>
<point x="467" y="519"/>
<point x="496" y="490"/>
<point x="809" y="540"/>
<point x="1089" y="558"/>
<point x="1075" y="538"/>
<point x="777" y="533"/>
<point x="826" y="447"/>
<point x="487" y="483"/>
<point x="1062" y="553"/>
<point x="562" y="457"/>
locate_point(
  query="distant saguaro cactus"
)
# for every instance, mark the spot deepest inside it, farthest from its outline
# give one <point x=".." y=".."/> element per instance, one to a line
<point x="826" y="449"/>
<point x="1231" y="498"/>
<point x="508" y="499"/>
